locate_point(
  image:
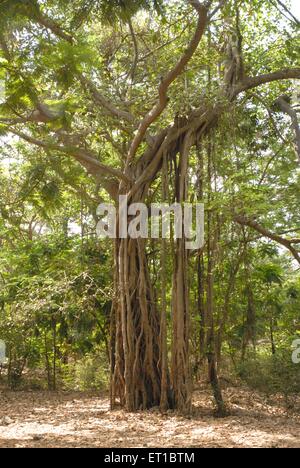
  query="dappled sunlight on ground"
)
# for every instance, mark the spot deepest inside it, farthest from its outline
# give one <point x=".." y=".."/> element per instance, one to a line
<point x="41" y="419"/>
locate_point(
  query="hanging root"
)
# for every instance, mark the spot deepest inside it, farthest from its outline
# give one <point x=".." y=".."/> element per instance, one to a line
<point x="136" y="382"/>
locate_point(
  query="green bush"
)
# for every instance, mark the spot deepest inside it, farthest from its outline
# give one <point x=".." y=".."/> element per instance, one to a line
<point x="271" y="374"/>
<point x="89" y="373"/>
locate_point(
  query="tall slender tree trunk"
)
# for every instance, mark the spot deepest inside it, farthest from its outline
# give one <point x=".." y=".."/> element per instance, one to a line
<point x="180" y="371"/>
<point x="250" y="322"/>
<point x="165" y="378"/>
<point x="201" y="306"/>
<point x="273" y="345"/>
<point x="54" y="354"/>
<point x="47" y="363"/>
<point x="226" y="307"/>
<point x="200" y="265"/>
<point x="211" y="353"/>
<point x="211" y="247"/>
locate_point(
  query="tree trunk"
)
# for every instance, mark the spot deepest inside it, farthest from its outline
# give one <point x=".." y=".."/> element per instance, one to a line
<point x="136" y="368"/>
<point x="226" y="308"/>
<point x="250" y="325"/>
<point x="201" y="308"/>
<point x="54" y="355"/>
<point x="211" y="345"/>
<point x="181" y="377"/>
<point x="47" y="363"/>
<point x="273" y="346"/>
<point x="180" y="371"/>
<point x="165" y="378"/>
<point x="211" y="353"/>
<point x="200" y="265"/>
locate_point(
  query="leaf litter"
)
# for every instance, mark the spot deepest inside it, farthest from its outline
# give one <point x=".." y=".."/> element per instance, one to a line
<point x="53" y="420"/>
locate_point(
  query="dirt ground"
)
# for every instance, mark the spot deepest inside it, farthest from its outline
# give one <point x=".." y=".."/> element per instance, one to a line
<point x="41" y="419"/>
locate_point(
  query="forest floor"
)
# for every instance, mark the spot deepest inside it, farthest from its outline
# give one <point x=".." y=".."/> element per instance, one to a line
<point x="42" y="419"/>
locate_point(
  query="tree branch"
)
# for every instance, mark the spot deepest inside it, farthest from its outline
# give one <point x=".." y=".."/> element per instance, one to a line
<point x="173" y="74"/>
<point x="99" y="99"/>
<point x="4" y="47"/>
<point x="218" y="7"/>
<point x="285" y="8"/>
<point x="270" y="113"/>
<point x="86" y="158"/>
<point x="136" y="50"/>
<point x="158" y="48"/>
<point x="48" y="23"/>
<point x="287" y="243"/>
<point x="254" y="82"/>
<point x="285" y="107"/>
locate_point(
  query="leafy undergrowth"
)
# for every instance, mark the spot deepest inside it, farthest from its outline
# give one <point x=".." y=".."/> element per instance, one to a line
<point x="39" y="419"/>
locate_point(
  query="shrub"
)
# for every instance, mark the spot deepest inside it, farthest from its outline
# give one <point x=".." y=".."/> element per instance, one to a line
<point x="89" y="373"/>
<point x="272" y="374"/>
